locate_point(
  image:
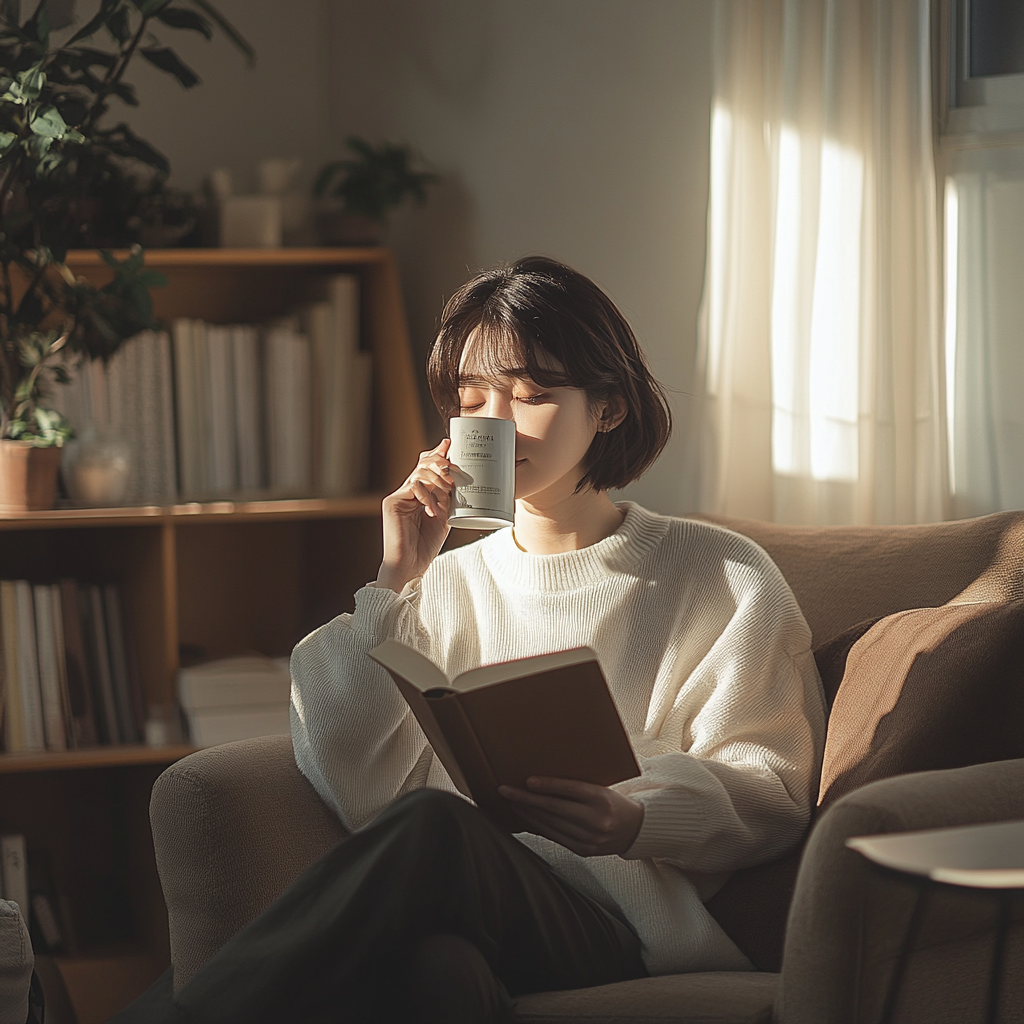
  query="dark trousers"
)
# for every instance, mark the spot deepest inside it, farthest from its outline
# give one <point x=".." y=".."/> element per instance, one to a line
<point x="429" y="913"/>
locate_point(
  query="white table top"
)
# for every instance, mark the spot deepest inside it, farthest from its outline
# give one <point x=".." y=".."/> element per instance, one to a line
<point x="987" y="856"/>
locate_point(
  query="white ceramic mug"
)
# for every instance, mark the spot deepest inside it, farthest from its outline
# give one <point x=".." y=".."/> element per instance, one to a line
<point x="483" y="457"/>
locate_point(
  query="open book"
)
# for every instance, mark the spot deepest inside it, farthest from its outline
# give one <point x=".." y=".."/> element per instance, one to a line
<point x="498" y="725"/>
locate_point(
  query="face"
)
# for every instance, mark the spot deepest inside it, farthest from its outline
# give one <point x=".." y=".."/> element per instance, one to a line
<point x="554" y="426"/>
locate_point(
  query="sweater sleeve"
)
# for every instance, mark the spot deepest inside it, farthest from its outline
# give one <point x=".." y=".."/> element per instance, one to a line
<point x="728" y="777"/>
<point x="354" y="736"/>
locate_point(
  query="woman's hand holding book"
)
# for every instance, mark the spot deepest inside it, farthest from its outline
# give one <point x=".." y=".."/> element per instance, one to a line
<point x="592" y="821"/>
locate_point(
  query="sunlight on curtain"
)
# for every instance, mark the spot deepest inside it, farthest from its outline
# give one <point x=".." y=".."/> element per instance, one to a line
<point x="822" y="355"/>
<point x="984" y="206"/>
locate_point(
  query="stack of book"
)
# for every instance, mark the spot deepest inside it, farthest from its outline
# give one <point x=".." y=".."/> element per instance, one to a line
<point x="68" y="673"/>
<point x="280" y="409"/>
<point x="235" y="699"/>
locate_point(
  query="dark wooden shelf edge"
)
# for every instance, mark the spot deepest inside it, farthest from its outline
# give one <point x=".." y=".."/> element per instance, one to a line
<point x="213" y="257"/>
<point x="201" y="512"/>
<point x="94" y="757"/>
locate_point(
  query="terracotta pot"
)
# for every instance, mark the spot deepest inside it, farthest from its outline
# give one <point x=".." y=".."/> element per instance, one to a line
<point x="336" y="226"/>
<point x="28" y="476"/>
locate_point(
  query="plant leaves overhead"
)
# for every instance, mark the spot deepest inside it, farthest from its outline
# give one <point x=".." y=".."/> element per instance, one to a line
<point x="167" y="60"/>
<point x="228" y="29"/>
<point x="181" y="17"/>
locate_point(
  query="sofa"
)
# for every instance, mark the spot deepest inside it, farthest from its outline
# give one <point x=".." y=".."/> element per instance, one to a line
<point x="918" y="633"/>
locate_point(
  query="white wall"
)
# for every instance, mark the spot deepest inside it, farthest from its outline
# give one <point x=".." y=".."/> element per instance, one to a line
<point x="576" y="128"/>
<point x="238" y="116"/>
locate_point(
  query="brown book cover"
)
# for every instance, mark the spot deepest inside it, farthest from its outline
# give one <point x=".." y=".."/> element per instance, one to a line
<point x="83" y="721"/>
<point x="546" y="715"/>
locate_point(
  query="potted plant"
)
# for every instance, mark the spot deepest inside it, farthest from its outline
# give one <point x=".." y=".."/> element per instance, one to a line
<point x="356" y="194"/>
<point x="60" y="163"/>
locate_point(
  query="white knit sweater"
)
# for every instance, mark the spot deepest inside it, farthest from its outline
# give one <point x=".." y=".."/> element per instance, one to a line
<point x="707" y="657"/>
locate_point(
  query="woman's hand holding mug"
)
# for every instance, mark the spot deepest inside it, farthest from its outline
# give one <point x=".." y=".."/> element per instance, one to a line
<point x="416" y="519"/>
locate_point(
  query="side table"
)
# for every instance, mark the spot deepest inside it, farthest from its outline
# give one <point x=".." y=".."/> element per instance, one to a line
<point x="987" y="856"/>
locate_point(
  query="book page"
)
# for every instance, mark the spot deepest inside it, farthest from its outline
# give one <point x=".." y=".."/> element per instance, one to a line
<point x="488" y="674"/>
<point x="405" y="661"/>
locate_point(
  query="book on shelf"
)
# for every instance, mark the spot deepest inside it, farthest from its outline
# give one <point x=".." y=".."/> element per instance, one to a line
<point x="245" y="352"/>
<point x="90" y="603"/>
<point x="33" y="736"/>
<point x="14" y="872"/>
<point x="13" y="731"/>
<point x="129" y="726"/>
<point x="235" y="698"/>
<point x="288" y="404"/>
<point x="52" y="685"/>
<point x="551" y="715"/>
<point x="188" y="409"/>
<point x="342" y="391"/>
<point x="76" y="668"/>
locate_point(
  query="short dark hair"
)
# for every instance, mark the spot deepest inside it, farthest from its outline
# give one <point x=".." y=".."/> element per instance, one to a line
<point x="539" y="303"/>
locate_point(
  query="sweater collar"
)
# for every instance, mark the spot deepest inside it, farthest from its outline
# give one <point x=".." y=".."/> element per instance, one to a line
<point x="571" y="570"/>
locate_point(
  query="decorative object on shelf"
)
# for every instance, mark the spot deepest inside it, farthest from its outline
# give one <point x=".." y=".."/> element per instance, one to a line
<point x="96" y="469"/>
<point x="355" y="195"/>
<point x="28" y="476"/>
<point x="274" y="216"/>
<point x="59" y="166"/>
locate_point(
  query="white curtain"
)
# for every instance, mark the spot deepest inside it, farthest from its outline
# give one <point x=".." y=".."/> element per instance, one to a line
<point x="984" y="199"/>
<point x="820" y="337"/>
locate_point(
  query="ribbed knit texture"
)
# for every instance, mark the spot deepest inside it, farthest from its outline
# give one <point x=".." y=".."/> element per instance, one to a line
<point x="707" y="656"/>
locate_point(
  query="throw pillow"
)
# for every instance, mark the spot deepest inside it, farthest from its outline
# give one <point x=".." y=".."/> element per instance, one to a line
<point x="927" y="689"/>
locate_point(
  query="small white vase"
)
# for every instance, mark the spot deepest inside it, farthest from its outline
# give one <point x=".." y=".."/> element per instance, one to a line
<point x="96" y="471"/>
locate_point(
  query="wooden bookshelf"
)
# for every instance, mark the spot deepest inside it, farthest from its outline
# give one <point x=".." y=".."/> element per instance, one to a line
<point x="211" y="578"/>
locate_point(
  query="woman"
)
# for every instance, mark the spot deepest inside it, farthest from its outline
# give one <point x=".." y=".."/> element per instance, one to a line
<point x="430" y="912"/>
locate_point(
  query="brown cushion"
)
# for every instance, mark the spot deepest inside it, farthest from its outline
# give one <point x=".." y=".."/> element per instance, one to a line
<point x="926" y="689"/>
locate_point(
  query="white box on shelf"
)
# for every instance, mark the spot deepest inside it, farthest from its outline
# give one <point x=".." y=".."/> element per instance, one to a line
<point x="250" y="222"/>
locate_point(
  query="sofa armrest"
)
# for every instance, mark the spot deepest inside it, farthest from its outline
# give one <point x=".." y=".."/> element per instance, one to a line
<point x="848" y="918"/>
<point x="233" y="827"/>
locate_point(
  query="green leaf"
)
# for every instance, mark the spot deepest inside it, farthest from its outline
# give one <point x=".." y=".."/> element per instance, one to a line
<point x="38" y="145"/>
<point x="181" y="17"/>
<point x="119" y="24"/>
<point x="38" y="26"/>
<point x="48" y="122"/>
<point x="98" y="20"/>
<point x="7" y="139"/>
<point x="124" y="142"/>
<point x="30" y="83"/>
<point x="149" y="8"/>
<point x="126" y="92"/>
<point x="167" y="60"/>
<point x="228" y="29"/>
<point x="82" y="57"/>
